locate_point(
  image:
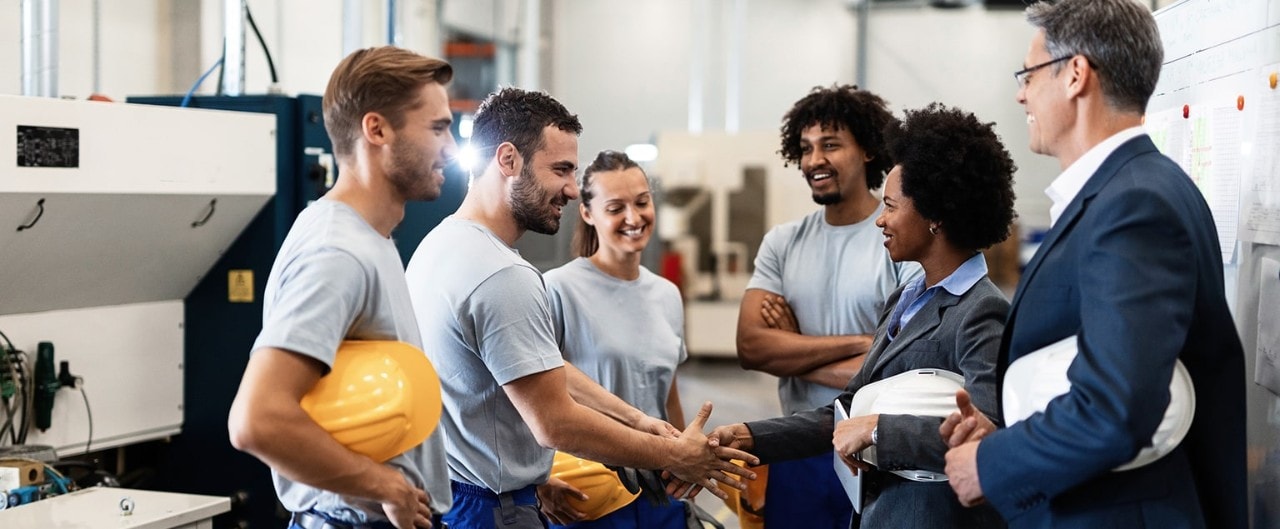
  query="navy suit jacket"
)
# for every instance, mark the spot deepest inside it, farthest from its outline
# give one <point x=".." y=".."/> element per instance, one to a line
<point x="1133" y="267"/>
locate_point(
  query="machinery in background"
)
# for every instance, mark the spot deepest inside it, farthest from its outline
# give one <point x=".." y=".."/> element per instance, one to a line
<point x="224" y="316"/>
<point x="24" y="481"/>
<point x="110" y="215"/>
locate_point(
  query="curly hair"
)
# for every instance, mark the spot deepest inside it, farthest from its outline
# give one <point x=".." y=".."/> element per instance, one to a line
<point x="956" y="172"/>
<point x="518" y="116"/>
<point x="862" y="113"/>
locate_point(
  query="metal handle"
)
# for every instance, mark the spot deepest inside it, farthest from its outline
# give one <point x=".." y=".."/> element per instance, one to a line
<point x="39" y="213"/>
<point x="213" y="206"/>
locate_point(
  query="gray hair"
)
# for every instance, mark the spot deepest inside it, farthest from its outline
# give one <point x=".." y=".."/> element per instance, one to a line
<point x="1118" y="37"/>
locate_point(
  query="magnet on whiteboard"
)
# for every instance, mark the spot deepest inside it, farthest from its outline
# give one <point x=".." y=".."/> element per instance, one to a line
<point x="1186" y="111"/>
<point x="1239" y="102"/>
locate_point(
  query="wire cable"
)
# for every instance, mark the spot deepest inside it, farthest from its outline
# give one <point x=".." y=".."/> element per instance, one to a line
<point x="28" y="400"/>
<point x="12" y="366"/>
<point x="221" y="71"/>
<point x="271" y="65"/>
<point x="88" y="411"/>
<point x="7" y="341"/>
<point x="11" y="363"/>
<point x="186" y="100"/>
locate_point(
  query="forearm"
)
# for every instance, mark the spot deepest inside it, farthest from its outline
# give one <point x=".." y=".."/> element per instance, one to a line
<point x="589" y="434"/>
<point x="796" y="436"/>
<point x="297" y="448"/>
<point x="675" y="414"/>
<point x="557" y="420"/>
<point x="588" y="393"/>
<point x="836" y="374"/>
<point x="782" y="353"/>
<point x="911" y="442"/>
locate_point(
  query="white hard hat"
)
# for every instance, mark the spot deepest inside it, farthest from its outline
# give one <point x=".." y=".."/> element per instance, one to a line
<point x="921" y="392"/>
<point x="1037" y="378"/>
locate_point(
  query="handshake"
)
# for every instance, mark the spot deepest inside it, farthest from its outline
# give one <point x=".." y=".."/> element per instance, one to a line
<point x="696" y="461"/>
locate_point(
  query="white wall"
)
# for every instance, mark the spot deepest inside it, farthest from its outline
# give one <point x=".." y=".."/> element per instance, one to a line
<point x="162" y="46"/>
<point x="965" y="58"/>
<point x="626" y="70"/>
<point x="623" y="66"/>
<point x="132" y="48"/>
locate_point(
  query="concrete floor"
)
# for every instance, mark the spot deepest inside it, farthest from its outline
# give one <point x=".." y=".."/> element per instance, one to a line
<point x="737" y="395"/>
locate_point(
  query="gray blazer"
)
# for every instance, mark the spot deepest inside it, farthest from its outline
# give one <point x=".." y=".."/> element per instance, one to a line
<point x="960" y="334"/>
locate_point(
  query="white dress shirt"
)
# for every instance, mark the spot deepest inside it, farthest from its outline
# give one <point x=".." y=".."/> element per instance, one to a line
<point x="1067" y="185"/>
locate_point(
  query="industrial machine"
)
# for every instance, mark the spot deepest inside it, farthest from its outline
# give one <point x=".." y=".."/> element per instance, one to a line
<point x="110" y="215"/>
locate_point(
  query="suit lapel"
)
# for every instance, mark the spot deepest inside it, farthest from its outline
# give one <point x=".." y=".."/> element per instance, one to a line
<point x="1070" y="216"/>
<point x="1127" y="150"/>
<point x="920" y="326"/>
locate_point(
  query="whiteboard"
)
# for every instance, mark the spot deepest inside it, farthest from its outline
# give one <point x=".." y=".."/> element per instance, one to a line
<point x="1220" y="59"/>
<point x="1215" y="110"/>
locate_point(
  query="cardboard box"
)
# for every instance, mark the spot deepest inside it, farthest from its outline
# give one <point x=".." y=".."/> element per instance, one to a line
<point x="27" y="473"/>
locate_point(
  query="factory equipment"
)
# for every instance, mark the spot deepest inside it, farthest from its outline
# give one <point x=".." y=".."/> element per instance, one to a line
<point x="110" y="214"/>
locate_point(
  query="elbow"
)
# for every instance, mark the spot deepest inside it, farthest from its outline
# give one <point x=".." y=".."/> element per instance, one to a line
<point x="749" y="355"/>
<point x="243" y="437"/>
<point x="753" y="356"/>
<point x="246" y="434"/>
<point x="550" y="437"/>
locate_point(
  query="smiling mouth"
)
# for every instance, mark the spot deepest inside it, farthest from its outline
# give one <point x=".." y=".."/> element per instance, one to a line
<point x="633" y="232"/>
<point x="818" y="177"/>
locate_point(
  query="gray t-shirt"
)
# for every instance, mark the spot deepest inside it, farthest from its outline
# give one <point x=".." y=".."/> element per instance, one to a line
<point x="836" y="279"/>
<point x="335" y="279"/>
<point x="485" y="322"/>
<point x="626" y="335"/>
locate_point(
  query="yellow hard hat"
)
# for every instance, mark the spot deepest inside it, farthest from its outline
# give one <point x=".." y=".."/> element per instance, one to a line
<point x="749" y="504"/>
<point x="380" y="399"/>
<point x="605" y="492"/>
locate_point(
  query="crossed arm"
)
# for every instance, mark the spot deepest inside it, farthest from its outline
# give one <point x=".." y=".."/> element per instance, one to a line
<point x="769" y="340"/>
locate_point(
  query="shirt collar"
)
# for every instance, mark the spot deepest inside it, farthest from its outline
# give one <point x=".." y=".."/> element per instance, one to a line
<point x="967" y="275"/>
<point x="1068" y="184"/>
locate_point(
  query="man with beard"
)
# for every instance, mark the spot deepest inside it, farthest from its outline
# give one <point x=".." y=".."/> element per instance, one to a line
<point x="510" y="400"/>
<point x="820" y="284"/>
<point x="338" y="277"/>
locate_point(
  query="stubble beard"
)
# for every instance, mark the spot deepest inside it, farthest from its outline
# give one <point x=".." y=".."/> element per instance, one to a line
<point x="531" y="205"/>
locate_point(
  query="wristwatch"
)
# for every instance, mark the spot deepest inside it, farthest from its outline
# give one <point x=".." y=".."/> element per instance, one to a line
<point x="875" y="435"/>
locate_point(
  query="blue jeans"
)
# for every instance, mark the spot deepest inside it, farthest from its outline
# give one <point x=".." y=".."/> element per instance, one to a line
<point x="806" y="494"/>
<point x="480" y="508"/>
<point x="639" y="514"/>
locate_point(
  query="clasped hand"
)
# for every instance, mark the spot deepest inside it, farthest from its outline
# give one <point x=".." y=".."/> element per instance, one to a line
<point x="703" y="460"/>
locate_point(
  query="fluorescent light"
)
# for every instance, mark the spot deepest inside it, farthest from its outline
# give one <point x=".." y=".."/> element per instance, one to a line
<point x="467" y="157"/>
<point x="642" y="152"/>
<point x="465" y="124"/>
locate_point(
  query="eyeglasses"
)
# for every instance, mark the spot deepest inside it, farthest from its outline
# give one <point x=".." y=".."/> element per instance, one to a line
<point x="1023" y="75"/>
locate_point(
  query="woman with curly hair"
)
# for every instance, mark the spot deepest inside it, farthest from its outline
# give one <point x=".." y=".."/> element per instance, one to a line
<point x="948" y="196"/>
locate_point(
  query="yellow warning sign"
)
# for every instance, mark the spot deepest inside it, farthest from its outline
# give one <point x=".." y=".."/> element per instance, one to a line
<point x="240" y="286"/>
